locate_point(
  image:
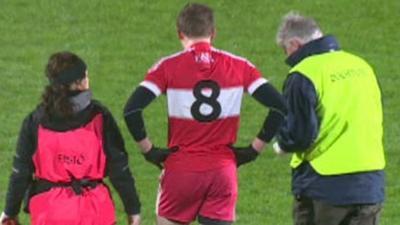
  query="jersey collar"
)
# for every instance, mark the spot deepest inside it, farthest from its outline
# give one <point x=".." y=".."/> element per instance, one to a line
<point x="202" y="46"/>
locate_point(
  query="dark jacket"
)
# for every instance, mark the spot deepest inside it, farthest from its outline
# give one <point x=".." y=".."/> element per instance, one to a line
<point x="300" y="130"/>
<point x="117" y="159"/>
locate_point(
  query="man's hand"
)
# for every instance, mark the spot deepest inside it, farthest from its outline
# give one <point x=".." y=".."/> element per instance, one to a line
<point x="134" y="219"/>
<point x="157" y="156"/>
<point x="245" y="154"/>
<point x="6" y="220"/>
<point x="278" y="150"/>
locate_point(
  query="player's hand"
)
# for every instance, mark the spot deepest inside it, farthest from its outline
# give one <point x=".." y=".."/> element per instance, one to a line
<point x="6" y="220"/>
<point x="134" y="219"/>
<point x="157" y="156"/>
<point x="244" y="154"/>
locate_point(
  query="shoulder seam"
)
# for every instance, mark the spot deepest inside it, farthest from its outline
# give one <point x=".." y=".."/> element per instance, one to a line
<point x="165" y="58"/>
<point x="240" y="58"/>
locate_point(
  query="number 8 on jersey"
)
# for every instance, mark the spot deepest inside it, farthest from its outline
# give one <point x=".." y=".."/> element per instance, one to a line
<point x="206" y="93"/>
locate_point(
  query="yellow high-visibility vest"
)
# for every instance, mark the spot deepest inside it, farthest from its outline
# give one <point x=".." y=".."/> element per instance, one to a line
<point x="350" y="112"/>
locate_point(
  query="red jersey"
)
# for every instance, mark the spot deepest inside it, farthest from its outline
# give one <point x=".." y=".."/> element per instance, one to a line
<point x="204" y="88"/>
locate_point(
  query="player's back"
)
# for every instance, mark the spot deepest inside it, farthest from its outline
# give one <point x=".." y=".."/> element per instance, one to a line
<point x="204" y="88"/>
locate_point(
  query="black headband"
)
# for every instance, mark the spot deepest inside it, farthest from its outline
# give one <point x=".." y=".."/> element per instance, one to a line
<point x="71" y="74"/>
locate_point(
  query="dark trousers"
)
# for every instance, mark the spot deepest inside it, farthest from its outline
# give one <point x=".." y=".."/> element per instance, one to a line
<point x="311" y="212"/>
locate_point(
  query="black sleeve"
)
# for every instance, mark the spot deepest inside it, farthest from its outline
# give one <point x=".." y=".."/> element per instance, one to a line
<point x="117" y="166"/>
<point x="301" y="125"/>
<point x="268" y="96"/>
<point x="22" y="171"/>
<point x="140" y="98"/>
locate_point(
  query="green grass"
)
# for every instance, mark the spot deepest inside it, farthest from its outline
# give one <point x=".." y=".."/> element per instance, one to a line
<point x="120" y="40"/>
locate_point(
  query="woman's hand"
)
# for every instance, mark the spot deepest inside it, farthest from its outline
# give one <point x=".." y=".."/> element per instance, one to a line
<point x="6" y="220"/>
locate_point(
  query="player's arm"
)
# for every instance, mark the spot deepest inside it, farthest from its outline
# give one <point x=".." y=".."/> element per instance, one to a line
<point x="118" y="168"/>
<point x="301" y="125"/>
<point x="133" y="114"/>
<point x="22" y="171"/>
<point x="269" y="97"/>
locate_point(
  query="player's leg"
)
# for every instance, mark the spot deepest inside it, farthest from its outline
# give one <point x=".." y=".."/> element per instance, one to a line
<point x="207" y="221"/>
<point x="219" y="204"/>
<point x="180" y="197"/>
<point x="164" y="221"/>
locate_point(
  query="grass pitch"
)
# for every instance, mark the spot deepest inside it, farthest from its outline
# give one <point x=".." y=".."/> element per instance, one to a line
<point x="120" y="40"/>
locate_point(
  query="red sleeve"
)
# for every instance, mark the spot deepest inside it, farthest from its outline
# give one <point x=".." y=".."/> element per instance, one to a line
<point x="253" y="78"/>
<point x="156" y="80"/>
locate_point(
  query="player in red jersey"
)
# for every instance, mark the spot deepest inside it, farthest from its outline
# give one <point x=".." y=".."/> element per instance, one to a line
<point x="204" y="87"/>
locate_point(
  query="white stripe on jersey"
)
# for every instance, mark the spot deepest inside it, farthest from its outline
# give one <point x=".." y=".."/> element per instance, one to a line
<point x="256" y="84"/>
<point x="151" y="86"/>
<point x="180" y="102"/>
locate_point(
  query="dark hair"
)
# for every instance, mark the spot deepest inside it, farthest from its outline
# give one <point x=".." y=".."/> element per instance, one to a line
<point x="196" y="20"/>
<point x="55" y="98"/>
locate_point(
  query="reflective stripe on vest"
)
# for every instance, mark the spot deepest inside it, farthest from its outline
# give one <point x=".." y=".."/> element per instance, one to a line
<point x="350" y="112"/>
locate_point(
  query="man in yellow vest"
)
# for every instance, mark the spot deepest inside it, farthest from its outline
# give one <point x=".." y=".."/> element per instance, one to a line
<point x="333" y="128"/>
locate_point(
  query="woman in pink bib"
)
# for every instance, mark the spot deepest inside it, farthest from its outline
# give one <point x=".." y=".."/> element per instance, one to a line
<point x="66" y="147"/>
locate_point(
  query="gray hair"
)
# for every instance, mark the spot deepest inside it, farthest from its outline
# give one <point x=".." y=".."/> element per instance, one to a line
<point x="294" y="25"/>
